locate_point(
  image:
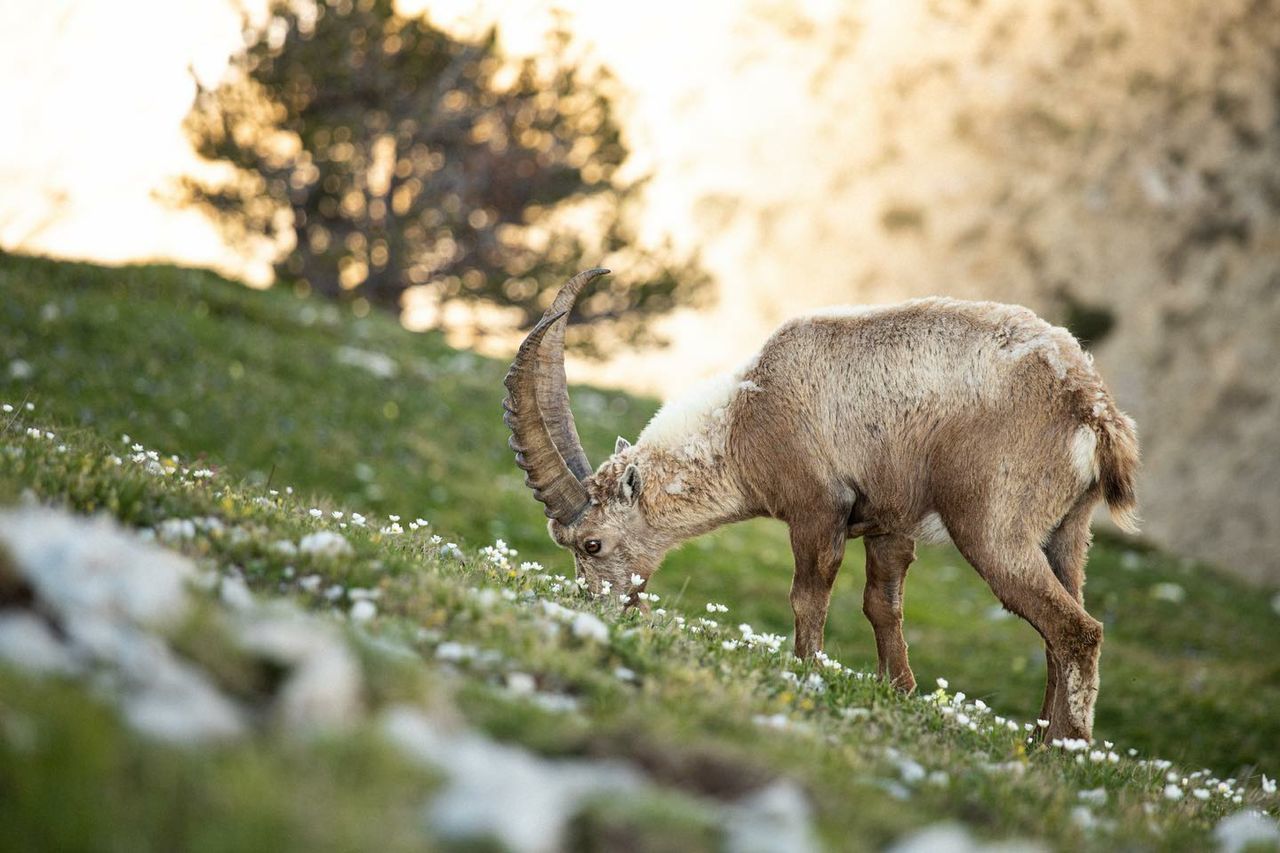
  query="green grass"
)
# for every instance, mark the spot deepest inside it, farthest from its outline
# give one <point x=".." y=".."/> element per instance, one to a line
<point x="250" y="383"/>
<point x="706" y="721"/>
<point x="84" y="783"/>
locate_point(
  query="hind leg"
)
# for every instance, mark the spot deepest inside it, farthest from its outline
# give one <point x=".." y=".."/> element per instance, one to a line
<point x="1067" y="549"/>
<point x="888" y="558"/>
<point x="1020" y="575"/>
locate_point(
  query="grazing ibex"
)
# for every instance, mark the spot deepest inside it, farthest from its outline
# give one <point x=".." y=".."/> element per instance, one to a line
<point x="928" y="420"/>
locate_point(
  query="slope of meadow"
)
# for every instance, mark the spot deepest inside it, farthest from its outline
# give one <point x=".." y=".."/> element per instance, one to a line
<point x="269" y="415"/>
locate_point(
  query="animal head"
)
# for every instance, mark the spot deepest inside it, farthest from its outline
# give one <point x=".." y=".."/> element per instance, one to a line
<point x="598" y="515"/>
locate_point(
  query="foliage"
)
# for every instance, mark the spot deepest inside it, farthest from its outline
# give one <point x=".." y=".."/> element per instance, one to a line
<point x="387" y="154"/>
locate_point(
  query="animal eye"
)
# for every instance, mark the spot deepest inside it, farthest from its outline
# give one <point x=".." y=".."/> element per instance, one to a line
<point x="591" y="546"/>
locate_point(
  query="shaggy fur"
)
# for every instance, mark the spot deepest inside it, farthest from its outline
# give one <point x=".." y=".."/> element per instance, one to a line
<point x="932" y="419"/>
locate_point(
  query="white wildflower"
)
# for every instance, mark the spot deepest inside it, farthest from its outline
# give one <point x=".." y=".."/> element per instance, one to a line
<point x="363" y="610"/>
<point x="284" y="548"/>
<point x="1200" y="794"/>
<point x="176" y="530"/>
<point x="521" y="683"/>
<point x="773" y="721"/>
<point x="455" y="652"/>
<point x="1268" y="785"/>
<point x="943" y="684"/>
<point x="325" y="543"/>
<point x="589" y="627"/>
<point x="315" y="513"/>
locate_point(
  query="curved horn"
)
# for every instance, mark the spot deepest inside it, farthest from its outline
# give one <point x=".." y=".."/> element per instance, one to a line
<point x="546" y="471"/>
<point x="553" y="390"/>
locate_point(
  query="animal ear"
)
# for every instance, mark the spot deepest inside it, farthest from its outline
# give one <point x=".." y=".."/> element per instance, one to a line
<point x="620" y="445"/>
<point x="629" y="486"/>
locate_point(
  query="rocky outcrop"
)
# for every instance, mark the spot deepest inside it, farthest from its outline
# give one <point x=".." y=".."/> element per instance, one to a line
<point x="1115" y="166"/>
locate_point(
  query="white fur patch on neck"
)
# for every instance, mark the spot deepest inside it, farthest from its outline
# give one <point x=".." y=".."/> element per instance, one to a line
<point x="693" y="416"/>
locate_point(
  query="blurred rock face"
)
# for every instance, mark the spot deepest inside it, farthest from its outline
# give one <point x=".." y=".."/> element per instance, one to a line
<point x="1114" y="165"/>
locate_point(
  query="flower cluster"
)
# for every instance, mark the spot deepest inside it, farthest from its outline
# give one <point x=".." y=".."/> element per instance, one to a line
<point x="498" y="555"/>
<point x="771" y="643"/>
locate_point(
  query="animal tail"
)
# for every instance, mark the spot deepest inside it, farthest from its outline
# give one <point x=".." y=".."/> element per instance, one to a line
<point x="1118" y="467"/>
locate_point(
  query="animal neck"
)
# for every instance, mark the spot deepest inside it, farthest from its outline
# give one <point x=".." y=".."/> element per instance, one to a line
<point x="690" y="485"/>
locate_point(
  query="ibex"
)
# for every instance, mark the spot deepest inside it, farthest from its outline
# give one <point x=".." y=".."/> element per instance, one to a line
<point x="928" y="420"/>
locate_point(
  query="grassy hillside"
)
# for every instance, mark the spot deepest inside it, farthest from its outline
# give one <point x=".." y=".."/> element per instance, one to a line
<point x="274" y="393"/>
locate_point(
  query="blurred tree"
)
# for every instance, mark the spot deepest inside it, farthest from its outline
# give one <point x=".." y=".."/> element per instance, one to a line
<point x="400" y="156"/>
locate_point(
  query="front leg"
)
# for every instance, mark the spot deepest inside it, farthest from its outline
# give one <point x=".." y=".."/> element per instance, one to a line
<point x="818" y="547"/>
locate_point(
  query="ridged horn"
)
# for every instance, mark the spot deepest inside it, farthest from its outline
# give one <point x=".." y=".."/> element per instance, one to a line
<point x="546" y="472"/>
<point x="553" y="388"/>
